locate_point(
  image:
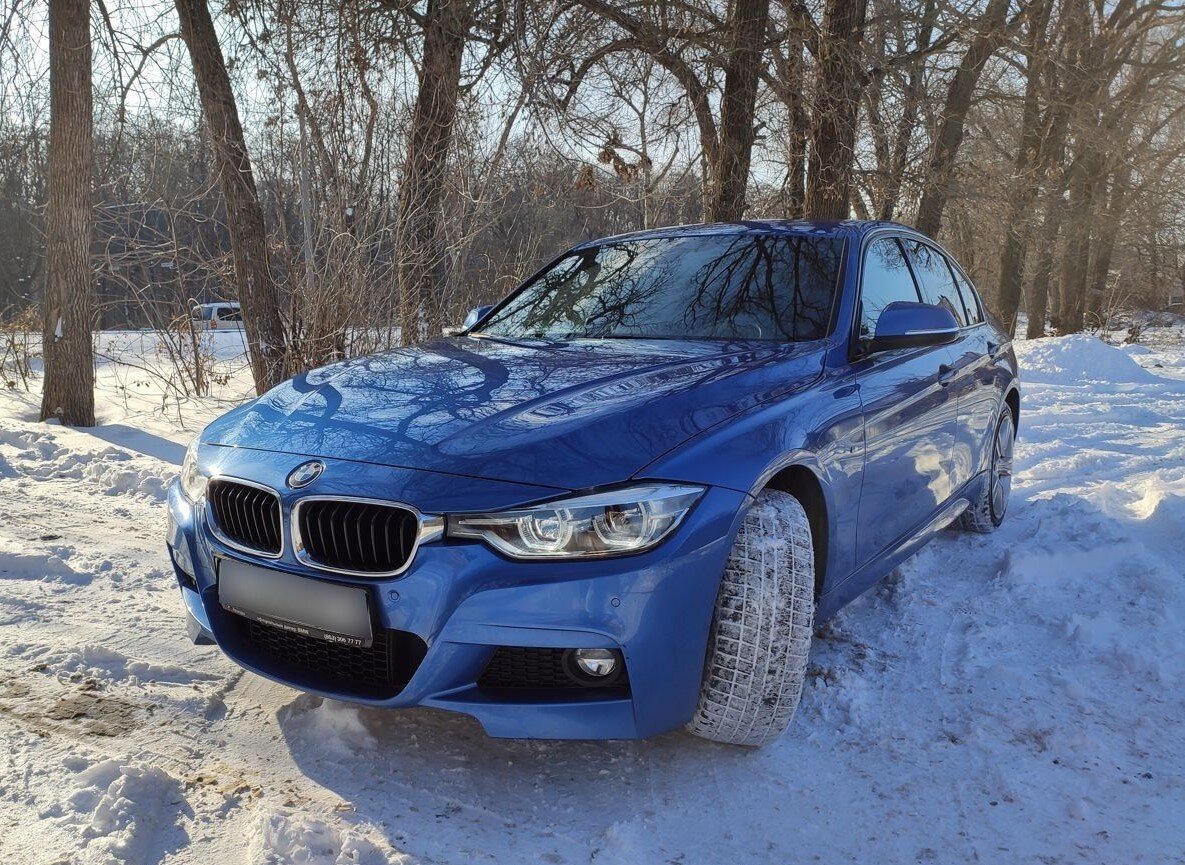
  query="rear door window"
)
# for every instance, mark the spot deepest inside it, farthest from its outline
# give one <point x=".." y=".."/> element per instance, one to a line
<point x="970" y="297"/>
<point x="937" y="285"/>
<point x="886" y="279"/>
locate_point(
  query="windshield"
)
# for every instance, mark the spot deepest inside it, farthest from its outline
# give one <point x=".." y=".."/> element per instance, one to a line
<point x="723" y="286"/>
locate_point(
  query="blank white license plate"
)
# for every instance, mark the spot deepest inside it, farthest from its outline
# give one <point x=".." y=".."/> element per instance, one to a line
<point x="313" y="608"/>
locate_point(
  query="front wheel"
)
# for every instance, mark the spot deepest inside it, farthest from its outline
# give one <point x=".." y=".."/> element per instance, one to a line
<point x="987" y="512"/>
<point x="762" y="626"/>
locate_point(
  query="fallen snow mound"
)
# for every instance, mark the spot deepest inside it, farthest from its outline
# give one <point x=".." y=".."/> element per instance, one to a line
<point x="1078" y="359"/>
<point x="125" y="813"/>
<point x="299" y="839"/>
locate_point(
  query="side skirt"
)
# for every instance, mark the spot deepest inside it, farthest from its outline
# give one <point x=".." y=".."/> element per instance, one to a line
<point x="880" y="567"/>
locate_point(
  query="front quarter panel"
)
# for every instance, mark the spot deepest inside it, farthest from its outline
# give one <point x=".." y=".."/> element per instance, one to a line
<point x="820" y="427"/>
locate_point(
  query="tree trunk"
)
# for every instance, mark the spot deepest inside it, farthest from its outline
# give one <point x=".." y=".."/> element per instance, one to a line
<point x="794" y="194"/>
<point x="731" y="177"/>
<point x="419" y="246"/>
<point x="1076" y="261"/>
<point x="1026" y="181"/>
<point x="1043" y="273"/>
<point x="837" y="110"/>
<point x="914" y="95"/>
<point x="788" y="86"/>
<point x="68" y="392"/>
<point x="264" y="329"/>
<point x="891" y="194"/>
<point x="936" y="189"/>
<point x="1107" y="233"/>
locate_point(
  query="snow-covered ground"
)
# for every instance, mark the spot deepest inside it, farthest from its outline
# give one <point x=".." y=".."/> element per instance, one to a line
<point x="1010" y="698"/>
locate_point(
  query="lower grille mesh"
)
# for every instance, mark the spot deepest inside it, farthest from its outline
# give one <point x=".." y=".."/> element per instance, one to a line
<point x="377" y="672"/>
<point x="518" y="667"/>
<point x="366" y="669"/>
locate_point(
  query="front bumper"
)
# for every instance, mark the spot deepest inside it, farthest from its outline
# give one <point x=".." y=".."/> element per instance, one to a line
<point x="463" y="600"/>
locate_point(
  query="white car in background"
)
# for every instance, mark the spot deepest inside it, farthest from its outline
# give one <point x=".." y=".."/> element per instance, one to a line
<point x="225" y="315"/>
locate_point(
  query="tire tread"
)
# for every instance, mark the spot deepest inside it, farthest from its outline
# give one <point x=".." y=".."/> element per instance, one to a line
<point x="761" y="631"/>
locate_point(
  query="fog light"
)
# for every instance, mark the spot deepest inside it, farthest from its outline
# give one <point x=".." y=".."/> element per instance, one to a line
<point x="594" y="668"/>
<point x="596" y="662"/>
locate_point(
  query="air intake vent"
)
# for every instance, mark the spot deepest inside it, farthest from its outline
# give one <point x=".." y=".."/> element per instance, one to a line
<point x="378" y="672"/>
<point x="513" y="667"/>
<point x="357" y="537"/>
<point x="245" y="516"/>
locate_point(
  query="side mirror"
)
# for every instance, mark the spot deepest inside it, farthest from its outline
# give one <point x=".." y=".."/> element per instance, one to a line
<point x="475" y="315"/>
<point x="904" y="324"/>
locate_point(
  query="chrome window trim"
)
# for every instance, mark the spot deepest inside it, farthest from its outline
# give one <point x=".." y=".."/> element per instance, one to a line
<point x="212" y="525"/>
<point x="431" y="528"/>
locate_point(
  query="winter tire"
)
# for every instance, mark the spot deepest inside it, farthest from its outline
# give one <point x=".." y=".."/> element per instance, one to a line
<point x="762" y="626"/>
<point x="987" y="512"/>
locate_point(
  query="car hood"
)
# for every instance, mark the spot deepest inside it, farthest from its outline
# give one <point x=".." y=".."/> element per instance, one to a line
<point x="565" y="415"/>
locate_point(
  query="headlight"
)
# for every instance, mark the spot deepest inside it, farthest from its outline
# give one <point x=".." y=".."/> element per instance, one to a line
<point x="601" y="524"/>
<point x="193" y="482"/>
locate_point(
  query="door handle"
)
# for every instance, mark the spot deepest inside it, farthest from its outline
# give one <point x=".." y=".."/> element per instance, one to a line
<point x="946" y="374"/>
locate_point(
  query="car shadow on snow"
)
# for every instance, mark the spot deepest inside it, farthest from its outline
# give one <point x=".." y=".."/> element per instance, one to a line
<point x="412" y="770"/>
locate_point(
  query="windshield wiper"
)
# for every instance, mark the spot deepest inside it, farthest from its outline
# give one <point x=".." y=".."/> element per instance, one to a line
<point x="525" y="341"/>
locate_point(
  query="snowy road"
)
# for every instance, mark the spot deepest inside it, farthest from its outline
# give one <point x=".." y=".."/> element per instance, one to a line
<point x="1011" y="698"/>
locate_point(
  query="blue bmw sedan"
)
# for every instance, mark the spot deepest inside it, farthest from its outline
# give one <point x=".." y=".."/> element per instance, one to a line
<point x="619" y="501"/>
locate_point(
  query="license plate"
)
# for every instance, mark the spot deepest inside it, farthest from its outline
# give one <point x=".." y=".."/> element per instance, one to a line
<point x="313" y="608"/>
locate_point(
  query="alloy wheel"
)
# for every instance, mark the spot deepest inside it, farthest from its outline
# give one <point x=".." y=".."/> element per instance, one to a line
<point x="1002" y="465"/>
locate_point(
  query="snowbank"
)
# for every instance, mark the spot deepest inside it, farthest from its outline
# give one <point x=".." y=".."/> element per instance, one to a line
<point x="1077" y="360"/>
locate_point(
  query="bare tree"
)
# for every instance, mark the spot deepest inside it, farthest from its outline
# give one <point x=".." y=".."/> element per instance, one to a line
<point x="68" y="390"/>
<point x="954" y="115"/>
<point x="741" y="72"/>
<point x="266" y="341"/>
<point x="1027" y="165"/>
<point x="421" y="255"/>
<point x="836" y="110"/>
<point x="410" y="159"/>
<point x="681" y="41"/>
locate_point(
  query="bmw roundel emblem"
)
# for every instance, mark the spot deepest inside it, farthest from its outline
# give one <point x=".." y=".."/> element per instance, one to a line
<point x="305" y="473"/>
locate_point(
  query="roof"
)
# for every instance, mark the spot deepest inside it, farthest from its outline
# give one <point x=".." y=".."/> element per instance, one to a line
<point x="856" y="227"/>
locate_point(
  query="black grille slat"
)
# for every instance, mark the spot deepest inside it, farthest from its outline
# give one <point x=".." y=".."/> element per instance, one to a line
<point x="230" y="523"/>
<point x="275" y="534"/>
<point x="359" y="536"/>
<point x="242" y="529"/>
<point x="247" y="516"/>
<point x="360" y="545"/>
<point x="250" y="518"/>
<point x="387" y="537"/>
<point x="335" y="521"/>
<point x="243" y="505"/>
<point x="374" y="535"/>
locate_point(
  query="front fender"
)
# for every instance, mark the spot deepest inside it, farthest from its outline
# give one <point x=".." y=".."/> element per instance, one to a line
<point x="821" y="428"/>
